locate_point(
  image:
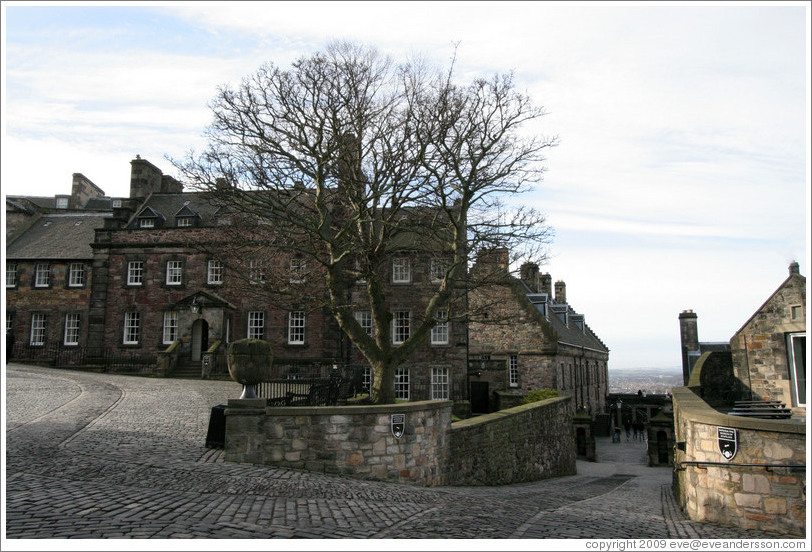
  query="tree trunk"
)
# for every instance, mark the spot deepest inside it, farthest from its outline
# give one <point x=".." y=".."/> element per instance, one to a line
<point x="383" y="390"/>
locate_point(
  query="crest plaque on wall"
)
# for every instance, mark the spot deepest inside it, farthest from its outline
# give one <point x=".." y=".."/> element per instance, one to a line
<point x="728" y="439"/>
<point x="398" y="425"/>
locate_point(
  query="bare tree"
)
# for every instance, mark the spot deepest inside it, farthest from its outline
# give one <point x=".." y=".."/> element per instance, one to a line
<point x="334" y="166"/>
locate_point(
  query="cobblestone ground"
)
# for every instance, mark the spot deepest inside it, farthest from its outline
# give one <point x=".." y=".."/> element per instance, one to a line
<point x="101" y="456"/>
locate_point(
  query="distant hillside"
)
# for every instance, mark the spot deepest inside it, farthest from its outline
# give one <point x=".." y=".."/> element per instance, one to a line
<point x="650" y="380"/>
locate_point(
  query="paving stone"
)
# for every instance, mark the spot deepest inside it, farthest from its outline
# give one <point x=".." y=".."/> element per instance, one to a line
<point x="108" y="456"/>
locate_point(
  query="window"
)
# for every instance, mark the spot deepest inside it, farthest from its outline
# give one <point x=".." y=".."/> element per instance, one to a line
<point x="215" y="272"/>
<point x="402" y="383"/>
<point x="438" y="270"/>
<point x="147" y="223"/>
<point x="116" y="204"/>
<point x="366" y="378"/>
<point x="61" y="203"/>
<point x="365" y="319"/>
<point x="132" y="328"/>
<point x="37" y="329"/>
<point x="513" y="370"/>
<point x="183" y="222"/>
<point x="297" y="271"/>
<point x="439" y="384"/>
<point x="439" y="333"/>
<point x="256" y="325"/>
<point x="11" y="275"/>
<point x="174" y="273"/>
<point x="796" y="351"/>
<point x="71" y="329"/>
<point x="135" y="273"/>
<point x="255" y="271"/>
<point x="797" y="312"/>
<point x="401" y="271"/>
<point x="42" y="275"/>
<point x="296" y="328"/>
<point x="9" y="318"/>
<point x="76" y="276"/>
<point x="170" y="327"/>
<point x="401" y="326"/>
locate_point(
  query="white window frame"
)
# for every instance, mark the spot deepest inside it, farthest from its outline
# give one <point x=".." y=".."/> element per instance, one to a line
<point x="794" y="355"/>
<point x="174" y="273"/>
<point x="401" y="270"/>
<point x="401" y="383"/>
<point x="256" y="274"/>
<point x="364" y="318"/>
<point x="184" y="222"/>
<point x="116" y="204"/>
<point x="439" y="333"/>
<point x="38" y="325"/>
<point x="256" y="325"/>
<point x="214" y="272"/>
<point x="437" y="270"/>
<point x="62" y="203"/>
<point x="513" y="370"/>
<point x="11" y="275"/>
<point x="297" y="271"/>
<point x="76" y="275"/>
<point x="439" y="383"/>
<point x="135" y="273"/>
<point x="146" y="223"/>
<point x="296" y="327"/>
<point x="367" y="377"/>
<point x="71" y="335"/>
<point x="170" y="327"/>
<point x="9" y="321"/>
<point x="401" y="326"/>
<point x="132" y="328"/>
<point x="42" y="275"/>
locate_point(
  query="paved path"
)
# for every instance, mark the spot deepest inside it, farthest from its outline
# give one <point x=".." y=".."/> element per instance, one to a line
<point x="101" y="456"/>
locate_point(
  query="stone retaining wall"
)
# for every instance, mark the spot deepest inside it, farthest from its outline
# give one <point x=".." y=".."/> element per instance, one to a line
<point x="769" y="498"/>
<point x="524" y="443"/>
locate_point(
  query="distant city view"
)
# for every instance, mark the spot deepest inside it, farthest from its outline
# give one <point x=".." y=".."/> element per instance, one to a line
<point x="650" y="380"/>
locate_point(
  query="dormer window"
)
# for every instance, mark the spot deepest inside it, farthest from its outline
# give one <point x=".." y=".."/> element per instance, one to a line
<point x="186" y="217"/>
<point x="61" y="203"/>
<point x="116" y="204"/>
<point x="146" y="223"/>
<point x="184" y="221"/>
<point x="150" y="218"/>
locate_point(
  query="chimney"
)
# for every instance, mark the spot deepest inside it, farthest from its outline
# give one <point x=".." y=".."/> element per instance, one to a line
<point x="492" y="262"/>
<point x="145" y="178"/>
<point x="546" y="285"/>
<point x="794" y="268"/>
<point x="689" y="338"/>
<point x="529" y="273"/>
<point x="560" y="292"/>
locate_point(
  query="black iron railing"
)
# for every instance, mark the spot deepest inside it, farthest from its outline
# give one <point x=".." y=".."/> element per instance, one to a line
<point x="65" y="356"/>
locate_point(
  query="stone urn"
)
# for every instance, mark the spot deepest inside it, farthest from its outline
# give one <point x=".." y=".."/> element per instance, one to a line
<point x="249" y="363"/>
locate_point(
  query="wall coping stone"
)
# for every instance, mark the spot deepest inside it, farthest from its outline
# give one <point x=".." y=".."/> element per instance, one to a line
<point x="261" y="405"/>
<point x="507" y="413"/>
<point x="693" y="408"/>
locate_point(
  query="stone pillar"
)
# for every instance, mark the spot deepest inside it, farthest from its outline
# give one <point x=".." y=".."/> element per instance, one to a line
<point x="661" y="439"/>
<point x="689" y="339"/>
<point x="584" y="431"/>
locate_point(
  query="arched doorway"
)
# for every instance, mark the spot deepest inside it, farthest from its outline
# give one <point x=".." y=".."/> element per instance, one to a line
<point x="200" y="339"/>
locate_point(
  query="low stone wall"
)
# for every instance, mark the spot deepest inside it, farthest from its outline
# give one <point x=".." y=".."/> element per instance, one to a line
<point x="356" y="441"/>
<point x="525" y="443"/>
<point x="763" y="496"/>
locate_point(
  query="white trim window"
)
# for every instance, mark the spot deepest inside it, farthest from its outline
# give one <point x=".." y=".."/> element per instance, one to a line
<point x="401" y="326"/>
<point x="256" y="325"/>
<point x="9" y="320"/>
<point x="439" y="333"/>
<point x="439" y="383"/>
<point x="11" y="275"/>
<point x="402" y="383"/>
<point x="76" y="276"/>
<point x="513" y="370"/>
<point x="366" y="378"/>
<point x="364" y="318"/>
<point x="214" y="272"/>
<point x="38" y="321"/>
<point x="135" y="273"/>
<point x="71" y="329"/>
<point x="256" y="273"/>
<point x="42" y="275"/>
<point x="132" y="328"/>
<point x="401" y="271"/>
<point x="298" y="268"/>
<point x="146" y="223"/>
<point x="437" y="270"/>
<point x="184" y="222"/>
<point x="61" y="203"/>
<point x="174" y="273"/>
<point x="796" y="349"/>
<point x="170" y="333"/>
<point x="296" y="328"/>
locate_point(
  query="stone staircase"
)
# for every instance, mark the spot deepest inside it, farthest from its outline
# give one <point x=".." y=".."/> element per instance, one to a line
<point x="188" y="369"/>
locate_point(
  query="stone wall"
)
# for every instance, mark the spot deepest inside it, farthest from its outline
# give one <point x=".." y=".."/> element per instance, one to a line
<point x="756" y="489"/>
<point x="525" y="443"/>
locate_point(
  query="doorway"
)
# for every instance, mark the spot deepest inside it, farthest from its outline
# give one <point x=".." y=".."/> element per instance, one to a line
<point x="479" y="397"/>
<point x="200" y="339"/>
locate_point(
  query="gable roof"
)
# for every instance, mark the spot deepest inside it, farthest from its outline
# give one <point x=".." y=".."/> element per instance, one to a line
<point x="57" y="236"/>
<point x="794" y="274"/>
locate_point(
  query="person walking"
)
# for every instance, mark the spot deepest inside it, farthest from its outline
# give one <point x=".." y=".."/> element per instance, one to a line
<point x="627" y="425"/>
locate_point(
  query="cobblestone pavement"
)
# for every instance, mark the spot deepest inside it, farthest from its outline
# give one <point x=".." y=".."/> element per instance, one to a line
<point x="100" y="456"/>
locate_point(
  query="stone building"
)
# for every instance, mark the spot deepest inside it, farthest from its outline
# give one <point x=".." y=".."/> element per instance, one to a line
<point x="528" y="337"/>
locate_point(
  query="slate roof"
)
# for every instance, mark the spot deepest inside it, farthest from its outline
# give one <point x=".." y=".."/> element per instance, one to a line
<point x="57" y="236"/>
<point x="170" y="205"/>
<point x="570" y="334"/>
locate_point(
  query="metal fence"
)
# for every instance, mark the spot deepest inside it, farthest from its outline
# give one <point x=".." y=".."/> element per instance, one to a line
<point x="312" y="384"/>
<point x="106" y="359"/>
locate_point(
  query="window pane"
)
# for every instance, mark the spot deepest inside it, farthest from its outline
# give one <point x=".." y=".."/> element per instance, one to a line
<point x="402" y="383"/>
<point x="71" y="329"/>
<point x="42" y="275"/>
<point x="174" y="272"/>
<point x="513" y="370"/>
<point x="77" y="275"/>
<point x="256" y="324"/>
<point x="401" y="270"/>
<point x="215" y="273"/>
<point x="439" y="384"/>
<point x="37" y="329"/>
<point x="401" y="326"/>
<point x="131" y="327"/>
<point x="11" y="274"/>
<point x="296" y="328"/>
<point x="797" y="359"/>
<point x="170" y="327"/>
<point x="439" y="333"/>
<point x="135" y="273"/>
